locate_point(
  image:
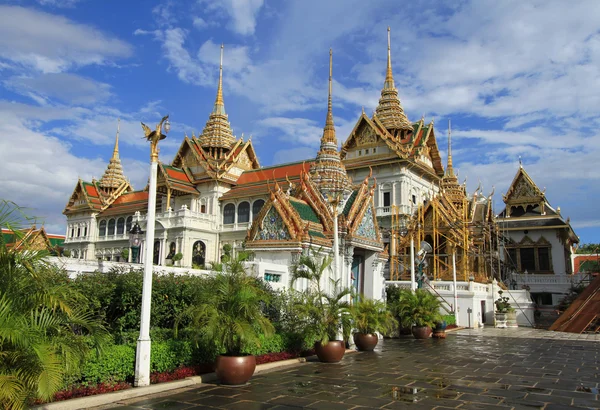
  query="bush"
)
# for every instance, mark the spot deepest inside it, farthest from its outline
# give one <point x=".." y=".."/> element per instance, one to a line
<point x="449" y="319"/>
<point x="116" y="364"/>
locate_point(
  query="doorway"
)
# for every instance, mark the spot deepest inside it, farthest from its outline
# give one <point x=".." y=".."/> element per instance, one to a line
<point x="357" y="274"/>
<point x="156" y="256"/>
<point x="483" y="312"/>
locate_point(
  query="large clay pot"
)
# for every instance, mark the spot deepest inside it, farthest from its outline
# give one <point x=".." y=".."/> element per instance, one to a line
<point x="235" y="370"/>
<point x="501" y="319"/>
<point x="332" y="352"/>
<point x="440" y="330"/>
<point x="421" y="332"/>
<point x="365" y="342"/>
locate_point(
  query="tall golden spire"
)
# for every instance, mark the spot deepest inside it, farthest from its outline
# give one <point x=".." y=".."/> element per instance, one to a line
<point x="217" y="132"/>
<point x="328" y="170"/>
<point x="113" y="176"/>
<point x="449" y="169"/>
<point x="390" y="111"/>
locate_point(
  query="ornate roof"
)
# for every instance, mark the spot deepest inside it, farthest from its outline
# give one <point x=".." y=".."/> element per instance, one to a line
<point x="451" y="188"/>
<point x="217" y="132"/>
<point x="390" y="111"/>
<point x="328" y="172"/>
<point x="175" y="179"/>
<point x="113" y="177"/>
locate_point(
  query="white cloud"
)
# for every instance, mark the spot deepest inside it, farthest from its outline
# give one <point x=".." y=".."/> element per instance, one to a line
<point x="235" y="58"/>
<point x="59" y="3"/>
<point x="242" y="14"/>
<point x="293" y="130"/>
<point x="50" y="43"/>
<point x="65" y="87"/>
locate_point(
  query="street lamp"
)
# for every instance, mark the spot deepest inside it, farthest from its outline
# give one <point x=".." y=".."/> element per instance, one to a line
<point x="135" y="240"/>
<point x="403" y="230"/>
<point x="142" y="356"/>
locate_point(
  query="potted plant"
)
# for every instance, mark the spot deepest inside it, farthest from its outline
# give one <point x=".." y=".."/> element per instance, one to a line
<point x="503" y="308"/>
<point x="324" y="315"/>
<point x="439" y="331"/>
<point x="229" y="313"/>
<point x="369" y="317"/>
<point x="177" y="257"/>
<point x="421" y="310"/>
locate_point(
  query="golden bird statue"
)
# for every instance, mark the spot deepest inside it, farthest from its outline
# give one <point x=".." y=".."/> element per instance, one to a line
<point x="154" y="136"/>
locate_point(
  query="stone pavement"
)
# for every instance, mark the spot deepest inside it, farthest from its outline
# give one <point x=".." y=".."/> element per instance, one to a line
<point x="471" y="369"/>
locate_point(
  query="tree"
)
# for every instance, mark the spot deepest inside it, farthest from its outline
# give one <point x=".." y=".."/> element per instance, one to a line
<point x="588" y="248"/>
<point x="43" y="334"/>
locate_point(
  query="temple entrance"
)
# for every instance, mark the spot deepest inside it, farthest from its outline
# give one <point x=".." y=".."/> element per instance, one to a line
<point x="198" y="253"/>
<point x="358" y="274"/>
<point x="156" y="256"/>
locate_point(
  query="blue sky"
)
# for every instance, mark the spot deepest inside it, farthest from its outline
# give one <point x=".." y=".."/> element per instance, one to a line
<point x="517" y="78"/>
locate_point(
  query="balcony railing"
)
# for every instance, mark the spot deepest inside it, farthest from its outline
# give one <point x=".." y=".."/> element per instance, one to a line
<point x="388" y="210"/>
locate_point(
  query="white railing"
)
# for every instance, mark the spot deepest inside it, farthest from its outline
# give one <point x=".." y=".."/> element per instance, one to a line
<point x="384" y="210"/>
<point x="236" y="227"/>
<point x="388" y="210"/>
<point x="550" y="279"/>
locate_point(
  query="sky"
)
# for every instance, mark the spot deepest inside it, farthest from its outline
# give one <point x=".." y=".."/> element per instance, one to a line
<point x="519" y="80"/>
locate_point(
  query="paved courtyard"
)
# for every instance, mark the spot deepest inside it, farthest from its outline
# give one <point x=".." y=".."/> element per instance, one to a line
<point x="468" y="370"/>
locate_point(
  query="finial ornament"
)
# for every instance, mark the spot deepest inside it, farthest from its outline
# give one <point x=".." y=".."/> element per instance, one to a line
<point x="155" y="136"/>
<point x="520" y="162"/>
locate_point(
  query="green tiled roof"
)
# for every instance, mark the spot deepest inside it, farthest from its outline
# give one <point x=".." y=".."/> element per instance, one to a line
<point x="56" y="241"/>
<point x="350" y="202"/>
<point x="317" y="234"/>
<point x="305" y="211"/>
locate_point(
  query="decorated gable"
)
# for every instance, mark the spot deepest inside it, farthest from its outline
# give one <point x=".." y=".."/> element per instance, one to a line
<point x="366" y="228"/>
<point x="272" y="227"/>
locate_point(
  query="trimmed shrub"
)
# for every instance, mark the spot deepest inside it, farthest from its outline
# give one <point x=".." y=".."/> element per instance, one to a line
<point x="115" y="364"/>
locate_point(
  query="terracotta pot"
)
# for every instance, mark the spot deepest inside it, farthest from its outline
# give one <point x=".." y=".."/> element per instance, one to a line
<point x="366" y="342"/>
<point x="421" y="332"/>
<point x="332" y="352"/>
<point x="235" y="370"/>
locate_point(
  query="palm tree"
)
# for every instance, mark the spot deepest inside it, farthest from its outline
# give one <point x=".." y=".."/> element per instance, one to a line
<point x="228" y="308"/>
<point x="43" y="335"/>
<point x="324" y="314"/>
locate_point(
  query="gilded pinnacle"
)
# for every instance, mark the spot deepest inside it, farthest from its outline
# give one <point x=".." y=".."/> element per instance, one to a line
<point x="113" y="176"/>
<point x="390" y="111"/>
<point x="449" y="169"/>
<point x="217" y="132"/>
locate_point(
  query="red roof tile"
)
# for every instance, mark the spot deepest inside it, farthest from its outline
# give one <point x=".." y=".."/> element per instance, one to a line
<point x="271" y="173"/>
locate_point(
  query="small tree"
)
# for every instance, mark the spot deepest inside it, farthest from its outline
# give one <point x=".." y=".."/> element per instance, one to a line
<point x="125" y="254"/>
<point x="177" y="257"/>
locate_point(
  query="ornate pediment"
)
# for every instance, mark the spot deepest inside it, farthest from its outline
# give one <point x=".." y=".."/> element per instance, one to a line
<point x="366" y="228"/>
<point x="272" y="227"/>
<point x="523" y="190"/>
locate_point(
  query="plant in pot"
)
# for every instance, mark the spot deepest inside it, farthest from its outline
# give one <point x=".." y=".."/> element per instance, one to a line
<point x="369" y="317"/>
<point x="503" y="309"/>
<point x="323" y="315"/>
<point x="177" y="257"/>
<point x="395" y="295"/>
<point x="228" y="312"/>
<point x="421" y="310"/>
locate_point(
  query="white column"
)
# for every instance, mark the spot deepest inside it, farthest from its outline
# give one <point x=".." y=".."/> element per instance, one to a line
<point x="336" y="249"/>
<point x="454" y="284"/>
<point x="142" y="356"/>
<point x="393" y="201"/>
<point x="413" y="283"/>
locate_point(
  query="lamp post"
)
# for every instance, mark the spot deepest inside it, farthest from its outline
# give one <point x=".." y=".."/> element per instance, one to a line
<point x="403" y="232"/>
<point x="142" y="356"/>
<point x="336" y="197"/>
<point x="135" y="240"/>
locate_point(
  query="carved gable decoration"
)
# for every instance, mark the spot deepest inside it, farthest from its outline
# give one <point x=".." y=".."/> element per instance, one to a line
<point x="366" y="228"/>
<point x="273" y="227"/>
<point x="523" y="190"/>
<point x="365" y="135"/>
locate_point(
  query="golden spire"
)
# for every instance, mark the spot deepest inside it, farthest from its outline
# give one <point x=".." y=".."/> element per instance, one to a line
<point x="449" y="169"/>
<point x="113" y="176"/>
<point x="217" y="132"/>
<point x="329" y="130"/>
<point x="389" y="78"/>
<point x="328" y="170"/>
<point x="219" y="104"/>
<point x="390" y="111"/>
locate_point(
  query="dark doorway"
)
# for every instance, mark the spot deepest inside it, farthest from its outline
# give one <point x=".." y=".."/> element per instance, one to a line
<point x="198" y="253"/>
<point x="357" y="269"/>
<point x="156" y="258"/>
<point x="483" y="312"/>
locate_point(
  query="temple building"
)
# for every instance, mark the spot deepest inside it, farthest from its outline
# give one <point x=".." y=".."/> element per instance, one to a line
<point x="215" y="193"/>
<point x="539" y="242"/>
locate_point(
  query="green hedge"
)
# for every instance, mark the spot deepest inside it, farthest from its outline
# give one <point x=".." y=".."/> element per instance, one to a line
<point x="450" y="319"/>
<point x="117" y="362"/>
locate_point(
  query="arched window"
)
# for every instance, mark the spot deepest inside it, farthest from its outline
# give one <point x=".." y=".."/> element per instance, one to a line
<point x="199" y="253"/>
<point x="256" y="207"/>
<point x="120" y="226"/>
<point x="72" y="232"/>
<point x="128" y="224"/>
<point x="229" y="214"/>
<point x="102" y="228"/>
<point x="111" y="226"/>
<point x="78" y="231"/>
<point x="244" y="212"/>
<point x="85" y="231"/>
